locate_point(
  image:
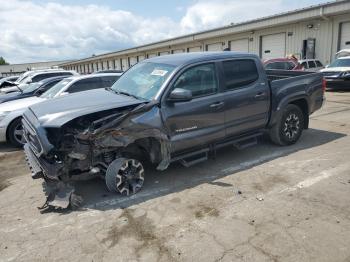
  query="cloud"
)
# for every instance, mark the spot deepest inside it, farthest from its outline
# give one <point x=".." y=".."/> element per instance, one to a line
<point x="32" y="32"/>
<point x="52" y="31"/>
<point x="207" y="14"/>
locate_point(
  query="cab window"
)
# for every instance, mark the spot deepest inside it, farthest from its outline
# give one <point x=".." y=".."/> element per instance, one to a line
<point x="240" y="73"/>
<point x="200" y="80"/>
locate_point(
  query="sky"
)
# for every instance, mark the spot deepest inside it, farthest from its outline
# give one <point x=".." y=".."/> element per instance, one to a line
<point x="40" y="30"/>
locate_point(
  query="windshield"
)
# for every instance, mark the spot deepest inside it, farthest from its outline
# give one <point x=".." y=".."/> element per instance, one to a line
<point x="143" y="80"/>
<point x="32" y="87"/>
<point x="56" y="88"/>
<point x="340" y="63"/>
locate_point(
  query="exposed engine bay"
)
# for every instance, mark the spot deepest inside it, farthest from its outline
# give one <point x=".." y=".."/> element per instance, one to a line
<point x="85" y="147"/>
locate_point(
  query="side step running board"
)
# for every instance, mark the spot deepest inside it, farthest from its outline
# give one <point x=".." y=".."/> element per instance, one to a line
<point x="246" y="143"/>
<point x="193" y="158"/>
<point x="196" y="157"/>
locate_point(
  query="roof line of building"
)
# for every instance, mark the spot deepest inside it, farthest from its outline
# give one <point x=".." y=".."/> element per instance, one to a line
<point x="193" y="35"/>
<point x="31" y="63"/>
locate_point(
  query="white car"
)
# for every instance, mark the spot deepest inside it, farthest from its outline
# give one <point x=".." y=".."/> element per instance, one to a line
<point x="312" y="65"/>
<point x="11" y="112"/>
<point x="36" y="77"/>
<point x="342" y="53"/>
<point x="337" y="74"/>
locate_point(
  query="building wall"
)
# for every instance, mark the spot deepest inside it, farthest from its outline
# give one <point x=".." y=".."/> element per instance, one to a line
<point x="16" y="69"/>
<point x="324" y="30"/>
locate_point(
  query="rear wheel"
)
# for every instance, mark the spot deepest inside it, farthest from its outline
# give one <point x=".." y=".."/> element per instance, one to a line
<point x="125" y="175"/>
<point x="15" y="133"/>
<point x="289" y="128"/>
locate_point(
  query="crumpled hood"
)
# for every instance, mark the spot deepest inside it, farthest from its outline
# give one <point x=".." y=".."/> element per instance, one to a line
<point x="58" y="111"/>
<point x="335" y="69"/>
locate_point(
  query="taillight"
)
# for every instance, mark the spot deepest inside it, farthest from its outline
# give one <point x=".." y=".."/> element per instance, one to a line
<point x="324" y="85"/>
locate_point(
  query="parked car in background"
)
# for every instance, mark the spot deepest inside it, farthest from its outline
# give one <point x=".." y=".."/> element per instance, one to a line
<point x="5" y="81"/>
<point x="312" y="65"/>
<point x="337" y="74"/>
<point x="282" y="64"/>
<point x="109" y="71"/>
<point x="32" y="89"/>
<point x="19" y="79"/>
<point x="180" y="107"/>
<point x="11" y="112"/>
<point x="36" y="77"/>
<point x="342" y="53"/>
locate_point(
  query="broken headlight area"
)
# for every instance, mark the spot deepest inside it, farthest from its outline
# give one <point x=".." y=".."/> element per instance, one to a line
<point x="86" y="147"/>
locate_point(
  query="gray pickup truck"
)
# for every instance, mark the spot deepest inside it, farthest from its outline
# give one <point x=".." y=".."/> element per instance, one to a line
<point x="171" y="108"/>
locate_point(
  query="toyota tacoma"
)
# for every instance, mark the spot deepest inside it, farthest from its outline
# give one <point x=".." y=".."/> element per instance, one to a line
<point x="179" y="107"/>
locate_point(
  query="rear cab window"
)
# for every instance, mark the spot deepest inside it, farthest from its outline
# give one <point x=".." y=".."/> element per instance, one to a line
<point x="318" y="63"/>
<point x="85" y="84"/>
<point x="312" y="64"/>
<point x="108" y="81"/>
<point x="239" y="73"/>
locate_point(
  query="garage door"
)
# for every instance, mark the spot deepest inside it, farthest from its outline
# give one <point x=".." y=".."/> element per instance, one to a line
<point x="214" y="47"/>
<point x="194" y="49"/>
<point x="140" y="58"/>
<point x="105" y="66"/>
<point x="273" y="46"/>
<point x="132" y="61"/>
<point x="345" y="36"/>
<point x="241" y="45"/>
<point x="177" y="51"/>
<point x="117" y="64"/>
<point x="125" y="65"/>
<point x="164" y="53"/>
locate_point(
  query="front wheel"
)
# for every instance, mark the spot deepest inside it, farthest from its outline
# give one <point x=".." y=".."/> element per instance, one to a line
<point x="289" y="128"/>
<point x="125" y="176"/>
<point x="15" y="133"/>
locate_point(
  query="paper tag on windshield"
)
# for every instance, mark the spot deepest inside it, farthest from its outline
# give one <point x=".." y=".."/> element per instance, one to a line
<point x="159" y="72"/>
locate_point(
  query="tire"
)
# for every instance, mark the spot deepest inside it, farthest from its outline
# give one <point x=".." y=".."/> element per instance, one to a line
<point x="15" y="133"/>
<point x="289" y="127"/>
<point x="75" y="201"/>
<point x="125" y="175"/>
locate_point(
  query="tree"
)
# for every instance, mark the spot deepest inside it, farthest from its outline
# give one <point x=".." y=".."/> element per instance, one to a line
<point x="3" y="61"/>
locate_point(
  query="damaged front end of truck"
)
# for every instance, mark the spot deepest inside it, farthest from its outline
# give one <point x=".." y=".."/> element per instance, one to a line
<point x="108" y="142"/>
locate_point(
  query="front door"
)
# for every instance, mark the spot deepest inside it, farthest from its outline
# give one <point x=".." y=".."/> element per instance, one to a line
<point x="195" y="123"/>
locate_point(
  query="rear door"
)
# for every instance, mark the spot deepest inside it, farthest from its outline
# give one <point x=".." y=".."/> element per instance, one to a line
<point x="200" y="121"/>
<point x="246" y="96"/>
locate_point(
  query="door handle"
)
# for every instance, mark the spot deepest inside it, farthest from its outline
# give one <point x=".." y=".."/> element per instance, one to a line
<point x="260" y="94"/>
<point x="217" y="105"/>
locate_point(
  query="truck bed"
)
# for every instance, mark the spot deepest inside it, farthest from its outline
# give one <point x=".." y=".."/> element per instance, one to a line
<point x="307" y="85"/>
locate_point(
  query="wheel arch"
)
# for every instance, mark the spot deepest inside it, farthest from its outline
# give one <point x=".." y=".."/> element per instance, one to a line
<point x="300" y="100"/>
<point x="148" y="147"/>
<point x="304" y="106"/>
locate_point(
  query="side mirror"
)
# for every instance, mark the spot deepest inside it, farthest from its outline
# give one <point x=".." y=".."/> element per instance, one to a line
<point x="180" y="95"/>
<point x="326" y="66"/>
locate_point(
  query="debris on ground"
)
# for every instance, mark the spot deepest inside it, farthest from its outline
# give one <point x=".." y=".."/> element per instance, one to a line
<point x="260" y="198"/>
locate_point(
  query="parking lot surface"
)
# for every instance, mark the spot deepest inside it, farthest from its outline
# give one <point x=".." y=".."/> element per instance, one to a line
<point x="264" y="203"/>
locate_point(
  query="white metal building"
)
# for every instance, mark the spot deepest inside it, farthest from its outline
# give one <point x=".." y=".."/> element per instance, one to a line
<point x="16" y="69"/>
<point x="314" y="32"/>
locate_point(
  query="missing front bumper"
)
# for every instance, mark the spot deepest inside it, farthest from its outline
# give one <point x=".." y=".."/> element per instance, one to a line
<point x="58" y="193"/>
